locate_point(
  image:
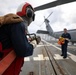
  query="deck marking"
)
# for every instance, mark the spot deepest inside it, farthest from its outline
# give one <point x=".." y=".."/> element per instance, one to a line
<point x="40" y="58"/>
<point x="58" y="57"/>
<point x="73" y="57"/>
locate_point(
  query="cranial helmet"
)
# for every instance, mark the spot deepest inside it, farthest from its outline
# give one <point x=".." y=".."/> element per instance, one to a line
<point x="26" y="9"/>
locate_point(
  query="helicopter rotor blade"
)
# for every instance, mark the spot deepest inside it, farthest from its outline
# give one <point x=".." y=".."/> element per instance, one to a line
<point x="41" y="24"/>
<point x="53" y="4"/>
<point x="50" y="14"/>
<point x="45" y="18"/>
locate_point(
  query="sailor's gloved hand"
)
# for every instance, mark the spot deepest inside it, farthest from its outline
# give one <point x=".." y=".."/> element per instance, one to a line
<point x="38" y="39"/>
<point x="67" y="39"/>
<point x="35" y="41"/>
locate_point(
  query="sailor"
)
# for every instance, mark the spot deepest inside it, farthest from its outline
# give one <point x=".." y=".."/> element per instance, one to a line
<point x="13" y="37"/>
<point x="67" y="38"/>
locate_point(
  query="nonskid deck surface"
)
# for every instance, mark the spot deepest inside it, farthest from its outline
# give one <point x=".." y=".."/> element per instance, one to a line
<point x="46" y="60"/>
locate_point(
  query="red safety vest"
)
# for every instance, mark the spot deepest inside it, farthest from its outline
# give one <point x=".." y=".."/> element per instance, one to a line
<point x="10" y="64"/>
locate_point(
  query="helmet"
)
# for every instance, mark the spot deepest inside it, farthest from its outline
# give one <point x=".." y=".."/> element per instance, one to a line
<point x="22" y="10"/>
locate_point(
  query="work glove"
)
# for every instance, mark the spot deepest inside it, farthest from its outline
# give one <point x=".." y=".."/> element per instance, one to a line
<point x="35" y="41"/>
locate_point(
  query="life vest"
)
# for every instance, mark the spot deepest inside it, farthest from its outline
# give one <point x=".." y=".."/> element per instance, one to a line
<point x="9" y="63"/>
<point x="61" y="40"/>
<point x="8" y="56"/>
<point x="9" y="19"/>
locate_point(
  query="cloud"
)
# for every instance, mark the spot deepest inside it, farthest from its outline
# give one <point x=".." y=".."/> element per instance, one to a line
<point x="69" y="12"/>
<point x="33" y="28"/>
<point x="8" y="6"/>
<point x="63" y="16"/>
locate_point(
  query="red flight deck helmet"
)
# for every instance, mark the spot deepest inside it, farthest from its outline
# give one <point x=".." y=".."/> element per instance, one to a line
<point x="22" y="10"/>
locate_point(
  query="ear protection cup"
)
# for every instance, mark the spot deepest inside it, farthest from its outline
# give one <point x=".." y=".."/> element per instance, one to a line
<point x="29" y="13"/>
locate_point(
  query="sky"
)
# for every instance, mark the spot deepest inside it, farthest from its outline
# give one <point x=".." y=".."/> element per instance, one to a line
<point x="63" y="16"/>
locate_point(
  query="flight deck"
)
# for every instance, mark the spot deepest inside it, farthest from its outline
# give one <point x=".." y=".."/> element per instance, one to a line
<point x="47" y="60"/>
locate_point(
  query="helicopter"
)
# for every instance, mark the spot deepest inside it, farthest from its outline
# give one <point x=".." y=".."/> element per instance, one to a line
<point x="57" y="34"/>
<point x="48" y="27"/>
